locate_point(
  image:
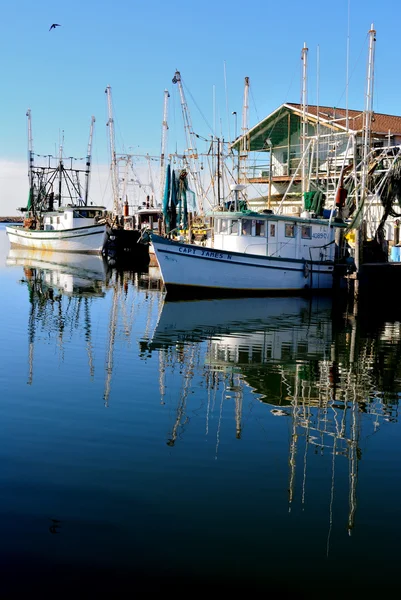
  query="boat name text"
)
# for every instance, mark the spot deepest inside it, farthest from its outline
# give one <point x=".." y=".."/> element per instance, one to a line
<point x="205" y="253"/>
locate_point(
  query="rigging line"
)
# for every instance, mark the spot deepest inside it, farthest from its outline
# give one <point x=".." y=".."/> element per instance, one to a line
<point x="270" y="132"/>
<point x="195" y="103"/>
<point x="254" y="103"/>
<point x="355" y="65"/>
<point x="252" y="185"/>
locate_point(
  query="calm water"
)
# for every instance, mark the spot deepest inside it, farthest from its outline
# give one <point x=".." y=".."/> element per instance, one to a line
<point x="175" y="445"/>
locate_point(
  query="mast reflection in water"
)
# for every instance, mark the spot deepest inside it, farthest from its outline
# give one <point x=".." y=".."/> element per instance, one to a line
<point x="235" y="443"/>
<point x="288" y="354"/>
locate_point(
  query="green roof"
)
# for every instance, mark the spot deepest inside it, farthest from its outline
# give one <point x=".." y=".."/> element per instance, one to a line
<point x="274" y="127"/>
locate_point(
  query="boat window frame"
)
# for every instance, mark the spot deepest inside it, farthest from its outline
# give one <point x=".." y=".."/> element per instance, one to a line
<point x="230" y="227"/>
<point x="225" y="230"/>
<point x="262" y="223"/>
<point x="247" y="233"/>
<point x="293" y="229"/>
<point x="303" y="231"/>
<point x="272" y="229"/>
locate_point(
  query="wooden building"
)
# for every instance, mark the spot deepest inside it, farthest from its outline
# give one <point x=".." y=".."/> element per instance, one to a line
<point x="278" y="163"/>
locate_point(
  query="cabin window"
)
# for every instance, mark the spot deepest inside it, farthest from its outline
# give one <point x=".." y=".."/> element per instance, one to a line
<point x="58" y="220"/>
<point x="246" y="227"/>
<point x="306" y="232"/>
<point x="65" y="216"/>
<point x="260" y="228"/>
<point x="51" y="220"/>
<point x="223" y="225"/>
<point x="289" y="230"/>
<point x="234" y="227"/>
<point x="83" y="214"/>
<point x="272" y="230"/>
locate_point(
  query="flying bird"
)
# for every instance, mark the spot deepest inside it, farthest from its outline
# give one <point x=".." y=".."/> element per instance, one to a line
<point x="54" y="26"/>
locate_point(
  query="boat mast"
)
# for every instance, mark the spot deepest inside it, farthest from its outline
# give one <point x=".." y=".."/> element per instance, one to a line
<point x="367" y="123"/>
<point x="31" y="204"/>
<point x="89" y="160"/>
<point x="60" y="168"/>
<point x="114" y="176"/>
<point x="244" y="149"/>
<point x="164" y="145"/>
<point x="304" y="58"/>
<point x="151" y="184"/>
<point x="191" y="142"/>
<point x="367" y="117"/>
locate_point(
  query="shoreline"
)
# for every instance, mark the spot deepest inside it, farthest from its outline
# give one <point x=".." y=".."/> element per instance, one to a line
<point x="11" y="219"/>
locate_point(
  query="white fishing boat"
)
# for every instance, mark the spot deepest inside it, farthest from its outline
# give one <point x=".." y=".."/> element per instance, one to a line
<point x="253" y="253"/>
<point x="58" y="216"/>
<point x="69" y="229"/>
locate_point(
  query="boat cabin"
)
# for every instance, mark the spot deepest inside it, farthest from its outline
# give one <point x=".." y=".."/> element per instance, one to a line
<point x="72" y="217"/>
<point x="149" y="218"/>
<point x="280" y="236"/>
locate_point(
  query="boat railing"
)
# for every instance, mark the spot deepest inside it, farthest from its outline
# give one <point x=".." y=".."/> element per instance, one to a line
<point x="249" y="249"/>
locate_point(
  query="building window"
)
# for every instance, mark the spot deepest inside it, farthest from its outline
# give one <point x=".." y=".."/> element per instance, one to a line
<point x="306" y="232"/>
<point x="272" y="230"/>
<point x="234" y="227"/>
<point x="246" y="227"/>
<point x="289" y="230"/>
<point x="260" y="228"/>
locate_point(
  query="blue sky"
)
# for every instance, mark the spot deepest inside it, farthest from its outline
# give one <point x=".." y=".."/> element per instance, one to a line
<point x="136" y="47"/>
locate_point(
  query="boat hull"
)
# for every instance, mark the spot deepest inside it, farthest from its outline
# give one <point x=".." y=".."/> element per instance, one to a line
<point x="87" y="240"/>
<point x="193" y="267"/>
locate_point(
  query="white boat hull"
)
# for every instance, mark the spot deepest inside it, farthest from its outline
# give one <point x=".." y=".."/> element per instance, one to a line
<point x="88" y="240"/>
<point x="190" y="266"/>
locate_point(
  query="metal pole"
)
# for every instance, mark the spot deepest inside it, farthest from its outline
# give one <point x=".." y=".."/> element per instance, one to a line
<point x="60" y="173"/>
<point x="270" y="178"/>
<point x="367" y="118"/>
<point x="89" y="160"/>
<point x="164" y="145"/>
<point x="114" y="176"/>
<point x="30" y="160"/>
<point x="245" y="128"/>
<point x="218" y="172"/>
<point x="304" y="58"/>
<point x="191" y="142"/>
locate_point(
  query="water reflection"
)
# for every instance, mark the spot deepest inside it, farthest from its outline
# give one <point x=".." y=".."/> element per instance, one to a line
<point x="61" y="290"/>
<point x="307" y="363"/>
<point x="242" y="430"/>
